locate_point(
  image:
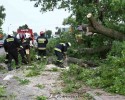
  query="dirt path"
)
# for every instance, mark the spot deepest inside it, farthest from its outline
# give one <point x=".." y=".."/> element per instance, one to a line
<point x="51" y="86"/>
<point x="47" y="85"/>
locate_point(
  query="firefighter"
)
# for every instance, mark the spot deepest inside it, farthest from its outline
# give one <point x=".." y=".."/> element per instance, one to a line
<point x="11" y="45"/>
<point x="26" y="46"/>
<point x="21" y="50"/>
<point x="42" y="42"/>
<point x="60" y="52"/>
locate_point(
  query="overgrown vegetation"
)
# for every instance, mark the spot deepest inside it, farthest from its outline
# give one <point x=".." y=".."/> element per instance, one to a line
<point x="36" y="69"/>
<point x="109" y="75"/>
<point x="2" y="91"/>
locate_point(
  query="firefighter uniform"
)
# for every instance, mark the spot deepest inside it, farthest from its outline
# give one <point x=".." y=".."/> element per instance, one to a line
<point x="60" y="52"/>
<point x="10" y="46"/>
<point x="26" y="48"/>
<point x="42" y="42"/>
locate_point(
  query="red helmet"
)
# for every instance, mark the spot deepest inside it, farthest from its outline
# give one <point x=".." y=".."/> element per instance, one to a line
<point x="41" y="33"/>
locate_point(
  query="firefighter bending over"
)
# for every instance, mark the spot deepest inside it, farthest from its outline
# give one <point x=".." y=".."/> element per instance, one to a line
<point x="60" y="52"/>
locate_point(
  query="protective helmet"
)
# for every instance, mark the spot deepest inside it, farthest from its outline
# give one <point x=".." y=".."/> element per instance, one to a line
<point x="18" y="36"/>
<point x="10" y="33"/>
<point x="41" y="33"/>
<point x="69" y="44"/>
<point x="27" y="35"/>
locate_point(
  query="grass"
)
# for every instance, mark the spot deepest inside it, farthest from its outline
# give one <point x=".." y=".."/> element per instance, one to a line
<point x="2" y="91"/>
<point x="22" y="81"/>
<point x="40" y="86"/>
<point x="35" y="70"/>
<point x="41" y="98"/>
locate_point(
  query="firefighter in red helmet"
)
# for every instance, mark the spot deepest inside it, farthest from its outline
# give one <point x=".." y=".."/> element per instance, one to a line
<point x="42" y="42"/>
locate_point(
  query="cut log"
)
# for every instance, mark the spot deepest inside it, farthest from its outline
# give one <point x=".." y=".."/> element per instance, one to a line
<point x="89" y="51"/>
<point x="81" y="62"/>
<point x="77" y="61"/>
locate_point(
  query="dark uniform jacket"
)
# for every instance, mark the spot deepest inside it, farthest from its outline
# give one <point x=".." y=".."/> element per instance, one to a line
<point x="11" y="43"/>
<point x="42" y="41"/>
<point x="61" y="47"/>
<point x="26" y="43"/>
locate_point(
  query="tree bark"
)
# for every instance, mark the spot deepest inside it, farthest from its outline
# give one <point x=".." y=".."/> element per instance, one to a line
<point x="95" y="50"/>
<point x="96" y="27"/>
<point x="81" y="62"/>
<point x="73" y="60"/>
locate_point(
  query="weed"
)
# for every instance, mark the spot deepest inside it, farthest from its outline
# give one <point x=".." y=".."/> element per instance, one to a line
<point x="40" y="86"/>
<point x="22" y="81"/>
<point x="2" y="90"/>
<point x="41" y="98"/>
<point x="2" y="58"/>
<point x="55" y="69"/>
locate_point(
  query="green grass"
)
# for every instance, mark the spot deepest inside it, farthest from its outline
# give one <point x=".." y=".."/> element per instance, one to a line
<point x="40" y="86"/>
<point x="41" y="98"/>
<point x="2" y="90"/>
<point x="22" y="81"/>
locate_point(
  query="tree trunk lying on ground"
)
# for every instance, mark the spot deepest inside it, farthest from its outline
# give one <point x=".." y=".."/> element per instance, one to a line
<point x="81" y="62"/>
<point x="77" y="61"/>
<point x="105" y="48"/>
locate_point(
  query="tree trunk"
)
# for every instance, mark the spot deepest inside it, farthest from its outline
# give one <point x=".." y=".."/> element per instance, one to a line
<point x="98" y="28"/>
<point x="69" y="60"/>
<point x="81" y="62"/>
<point x="95" y="50"/>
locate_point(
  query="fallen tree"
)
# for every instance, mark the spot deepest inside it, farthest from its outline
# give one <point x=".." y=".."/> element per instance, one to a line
<point x="69" y="60"/>
<point x="96" y="27"/>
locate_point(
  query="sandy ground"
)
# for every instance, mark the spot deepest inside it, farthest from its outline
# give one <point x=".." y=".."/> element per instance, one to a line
<point x="52" y="87"/>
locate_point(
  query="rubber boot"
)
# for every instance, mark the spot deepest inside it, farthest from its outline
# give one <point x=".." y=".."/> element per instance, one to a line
<point x="9" y="67"/>
<point x="61" y="65"/>
<point x="28" y="58"/>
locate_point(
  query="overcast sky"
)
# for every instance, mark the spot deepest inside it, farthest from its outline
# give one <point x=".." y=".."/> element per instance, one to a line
<point x="20" y="12"/>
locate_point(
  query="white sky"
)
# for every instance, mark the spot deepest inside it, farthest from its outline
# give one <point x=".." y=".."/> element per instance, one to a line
<point x="20" y="12"/>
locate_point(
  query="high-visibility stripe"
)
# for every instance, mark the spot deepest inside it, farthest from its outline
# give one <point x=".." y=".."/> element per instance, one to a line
<point x="44" y="56"/>
<point x="10" y="39"/>
<point x="57" y="49"/>
<point x="41" y="48"/>
<point x="63" y="44"/>
<point x="41" y="40"/>
<point x="60" y="60"/>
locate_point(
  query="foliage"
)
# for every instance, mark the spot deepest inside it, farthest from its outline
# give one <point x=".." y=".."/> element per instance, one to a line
<point x="24" y="81"/>
<point x="2" y="16"/>
<point x="35" y="70"/>
<point x="1" y="58"/>
<point x="40" y="86"/>
<point x="23" y="27"/>
<point x="51" y="44"/>
<point x="2" y="90"/>
<point x="48" y="34"/>
<point x="41" y="98"/>
<point x="109" y="76"/>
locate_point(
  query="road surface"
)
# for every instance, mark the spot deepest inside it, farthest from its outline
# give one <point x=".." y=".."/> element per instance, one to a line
<point x="2" y="52"/>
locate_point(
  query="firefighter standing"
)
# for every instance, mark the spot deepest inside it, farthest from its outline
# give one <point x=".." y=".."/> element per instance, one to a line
<point x="60" y="52"/>
<point x="26" y="46"/>
<point x="21" y="50"/>
<point x="42" y="42"/>
<point x="11" y="45"/>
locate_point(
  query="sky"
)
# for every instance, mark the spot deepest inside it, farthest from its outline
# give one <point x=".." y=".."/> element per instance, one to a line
<point x="21" y="12"/>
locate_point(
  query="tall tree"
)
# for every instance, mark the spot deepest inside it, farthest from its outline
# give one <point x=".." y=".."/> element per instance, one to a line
<point x="107" y="16"/>
<point x="2" y="16"/>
